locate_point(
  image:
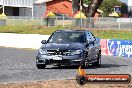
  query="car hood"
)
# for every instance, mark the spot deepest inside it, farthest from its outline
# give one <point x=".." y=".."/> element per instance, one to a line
<point x="54" y="46"/>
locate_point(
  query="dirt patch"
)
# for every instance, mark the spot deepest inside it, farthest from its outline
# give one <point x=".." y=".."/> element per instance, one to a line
<point x="62" y="84"/>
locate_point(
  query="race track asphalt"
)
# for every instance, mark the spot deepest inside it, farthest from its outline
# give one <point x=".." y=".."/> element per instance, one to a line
<point x="18" y="65"/>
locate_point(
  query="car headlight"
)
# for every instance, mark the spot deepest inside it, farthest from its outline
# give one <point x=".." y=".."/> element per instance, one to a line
<point x="75" y="52"/>
<point x="41" y="51"/>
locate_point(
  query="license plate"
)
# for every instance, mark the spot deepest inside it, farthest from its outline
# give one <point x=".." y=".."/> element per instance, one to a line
<point x="57" y="58"/>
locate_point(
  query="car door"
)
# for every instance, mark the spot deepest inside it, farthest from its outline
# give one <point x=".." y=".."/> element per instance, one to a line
<point x="95" y="45"/>
<point x="90" y="48"/>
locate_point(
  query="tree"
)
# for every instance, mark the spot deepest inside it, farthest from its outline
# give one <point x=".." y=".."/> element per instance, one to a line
<point x="86" y="2"/>
<point x="108" y="6"/>
<point x="93" y="5"/>
<point x="89" y="11"/>
<point x="124" y="8"/>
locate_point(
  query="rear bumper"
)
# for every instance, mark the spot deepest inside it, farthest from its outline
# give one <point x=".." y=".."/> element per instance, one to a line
<point x="66" y="60"/>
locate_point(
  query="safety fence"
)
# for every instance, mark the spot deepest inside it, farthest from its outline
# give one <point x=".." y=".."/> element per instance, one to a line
<point x="98" y="23"/>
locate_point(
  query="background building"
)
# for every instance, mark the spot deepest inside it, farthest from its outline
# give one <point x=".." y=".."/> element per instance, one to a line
<point x="59" y="7"/>
<point x="30" y="8"/>
<point x="17" y="7"/>
<point x="39" y="10"/>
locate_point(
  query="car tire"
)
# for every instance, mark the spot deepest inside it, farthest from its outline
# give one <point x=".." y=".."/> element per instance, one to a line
<point x="98" y="62"/>
<point x="85" y="64"/>
<point x="41" y="66"/>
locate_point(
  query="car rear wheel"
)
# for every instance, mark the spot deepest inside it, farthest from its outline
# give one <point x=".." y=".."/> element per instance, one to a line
<point x="41" y="66"/>
<point x="98" y="62"/>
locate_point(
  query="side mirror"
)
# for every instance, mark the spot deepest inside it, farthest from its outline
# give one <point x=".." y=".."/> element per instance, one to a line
<point x="87" y="42"/>
<point x="43" y="41"/>
<point x="91" y="42"/>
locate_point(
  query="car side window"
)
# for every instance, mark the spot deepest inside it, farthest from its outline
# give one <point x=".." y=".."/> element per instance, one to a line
<point x="89" y="36"/>
<point x="92" y="36"/>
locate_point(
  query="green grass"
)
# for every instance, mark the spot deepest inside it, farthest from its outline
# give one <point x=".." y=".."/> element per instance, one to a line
<point x="29" y="29"/>
<point x="113" y="34"/>
<point x="105" y="34"/>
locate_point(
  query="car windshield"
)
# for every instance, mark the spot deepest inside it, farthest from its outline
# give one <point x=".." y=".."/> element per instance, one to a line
<point x="67" y="37"/>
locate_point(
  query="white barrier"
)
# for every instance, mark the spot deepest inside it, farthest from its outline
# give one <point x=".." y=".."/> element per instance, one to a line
<point x="22" y="40"/>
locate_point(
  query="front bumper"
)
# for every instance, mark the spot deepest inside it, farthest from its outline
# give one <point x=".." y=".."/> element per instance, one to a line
<point x="66" y="60"/>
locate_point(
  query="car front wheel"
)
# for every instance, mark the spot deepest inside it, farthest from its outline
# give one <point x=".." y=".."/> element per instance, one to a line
<point x="98" y="62"/>
<point x="41" y="66"/>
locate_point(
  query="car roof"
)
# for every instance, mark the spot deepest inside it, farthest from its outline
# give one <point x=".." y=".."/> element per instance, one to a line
<point x="72" y="30"/>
